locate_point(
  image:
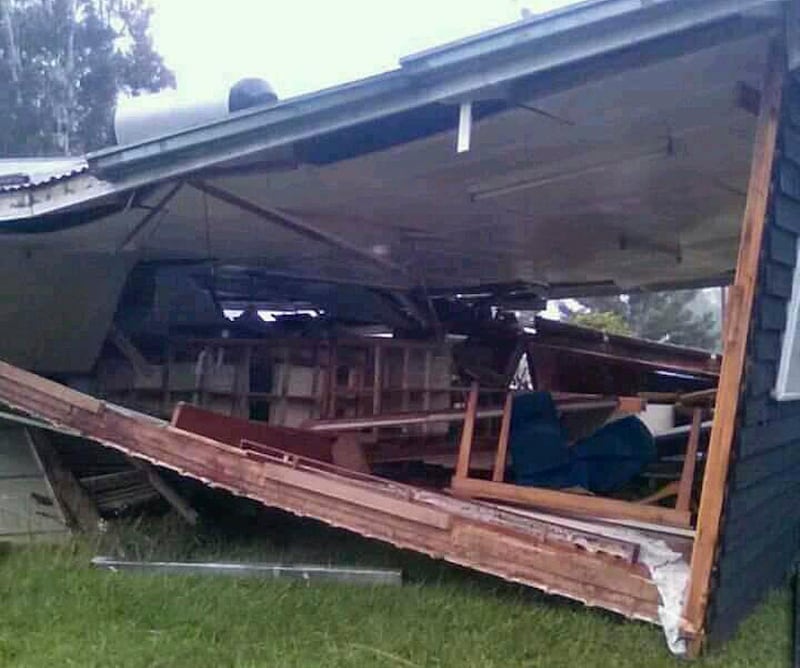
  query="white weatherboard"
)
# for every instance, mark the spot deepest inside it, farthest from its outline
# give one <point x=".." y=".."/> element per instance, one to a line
<point x="787" y="387"/>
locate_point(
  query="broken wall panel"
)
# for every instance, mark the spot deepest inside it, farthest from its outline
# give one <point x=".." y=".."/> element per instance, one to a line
<point x="590" y="567"/>
<point x="760" y="533"/>
<point x="28" y="507"/>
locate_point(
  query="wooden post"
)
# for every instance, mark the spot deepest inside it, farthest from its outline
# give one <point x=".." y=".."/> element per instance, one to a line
<point x="165" y="490"/>
<point x="502" y="444"/>
<point x="690" y="462"/>
<point x="738" y="314"/>
<point x="166" y="399"/>
<point x="406" y="397"/>
<point x="426" y="382"/>
<point x="73" y="500"/>
<point x="333" y="363"/>
<point x="315" y="391"/>
<point x="377" y="380"/>
<point x="465" y="447"/>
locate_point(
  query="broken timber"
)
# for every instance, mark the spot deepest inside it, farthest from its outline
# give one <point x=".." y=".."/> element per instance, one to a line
<point x="590" y="567"/>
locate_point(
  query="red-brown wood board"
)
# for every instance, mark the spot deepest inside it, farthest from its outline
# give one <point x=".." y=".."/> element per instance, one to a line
<point x="233" y="431"/>
<point x="587" y="566"/>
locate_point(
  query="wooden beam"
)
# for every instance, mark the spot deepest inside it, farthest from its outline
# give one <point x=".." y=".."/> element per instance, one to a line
<point x="297" y="225"/>
<point x="558" y="558"/>
<point x="564" y="405"/>
<point x="502" y="443"/>
<point x="127" y="243"/>
<point x="166" y="491"/>
<point x="467" y="433"/>
<point x="686" y="483"/>
<point x="668" y="490"/>
<point x="130" y="351"/>
<point x="566" y="502"/>
<point x="74" y="501"/>
<point x="739" y="312"/>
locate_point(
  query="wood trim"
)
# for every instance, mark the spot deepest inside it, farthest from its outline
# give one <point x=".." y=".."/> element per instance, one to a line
<point x="467" y="432"/>
<point x="668" y="490"/>
<point x="74" y="501"/>
<point x="739" y="312"/>
<point x="564" y="404"/>
<point x="298" y="226"/>
<point x="576" y="504"/>
<point x="498" y="473"/>
<point x="166" y="491"/>
<point x="686" y="482"/>
<point x="377" y="508"/>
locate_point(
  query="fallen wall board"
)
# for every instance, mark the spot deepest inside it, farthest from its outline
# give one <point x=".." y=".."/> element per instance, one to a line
<point x="233" y="430"/>
<point x="589" y="567"/>
<point x="28" y="508"/>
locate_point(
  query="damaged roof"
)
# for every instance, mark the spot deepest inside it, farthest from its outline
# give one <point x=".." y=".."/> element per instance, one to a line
<point x="19" y="173"/>
<point x="610" y="148"/>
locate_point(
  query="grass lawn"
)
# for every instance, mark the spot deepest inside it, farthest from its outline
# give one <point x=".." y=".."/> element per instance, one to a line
<point x="56" y="611"/>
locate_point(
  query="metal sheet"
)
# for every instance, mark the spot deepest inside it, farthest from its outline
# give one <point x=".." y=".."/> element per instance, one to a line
<point x="303" y="572"/>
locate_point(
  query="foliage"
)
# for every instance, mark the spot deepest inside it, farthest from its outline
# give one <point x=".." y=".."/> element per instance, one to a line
<point x="605" y="321"/>
<point x="668" y="317"/>
<point x="62" y="64"/>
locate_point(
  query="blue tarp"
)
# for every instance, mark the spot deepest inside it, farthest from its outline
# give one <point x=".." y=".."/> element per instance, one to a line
<point x="542" y="457"/>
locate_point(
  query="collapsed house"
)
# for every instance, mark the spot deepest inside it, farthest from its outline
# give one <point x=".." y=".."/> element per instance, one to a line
<point x="607" y="148"/>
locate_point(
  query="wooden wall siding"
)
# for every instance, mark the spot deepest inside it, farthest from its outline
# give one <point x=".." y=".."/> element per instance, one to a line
<point x="761" y="522"/>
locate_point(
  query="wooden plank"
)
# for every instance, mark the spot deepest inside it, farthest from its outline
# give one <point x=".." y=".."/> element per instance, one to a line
<point x="347" y="452"/>
<point x="299" y="226"/>
<point x="377" y="380"/>
<point x="357" y="495"/>
<point x="51" y="388"/>
<point x="426" y="381"/>
<point x="405" y="384"/>
<point x="624" y="349"/>
<point x="233" y="430"/>
<point x="699" y="397"/>
<point x="738" y="312"/>
<point x="499" y="471"/>
<point x="467" y="433"/>
<point x="333" y="362"/>
<point x="74" y="501"/>
<point x="131" y="352"/>
<point x="686" y="483"/>
<point x="631" y="405"/>
<point x="166" y="491"/>
<point x="577" y="504"/>
<point x="565" y="405"/>
<point x="372" y="507"/>
<point x="668" y="490"/>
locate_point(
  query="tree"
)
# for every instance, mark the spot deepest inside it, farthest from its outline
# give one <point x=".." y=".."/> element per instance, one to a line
<point x="62" y="65"/>
<point x="668" y="317"/>
<point x="606" y="321"/>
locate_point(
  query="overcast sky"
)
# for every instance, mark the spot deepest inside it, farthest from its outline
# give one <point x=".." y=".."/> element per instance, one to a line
<point x="305" y="46"/>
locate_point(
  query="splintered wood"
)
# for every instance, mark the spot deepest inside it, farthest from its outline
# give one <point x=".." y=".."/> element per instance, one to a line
<point x="590" y="567"/>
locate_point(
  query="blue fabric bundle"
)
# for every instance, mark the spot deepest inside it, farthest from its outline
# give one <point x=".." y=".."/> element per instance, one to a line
<point x="541" y="456"/>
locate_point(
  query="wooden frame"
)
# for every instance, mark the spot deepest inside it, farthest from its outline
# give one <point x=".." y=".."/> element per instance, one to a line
<point x="561" y="501"/>
<point x="596" y="569"/>
<point x="737" y="325"/>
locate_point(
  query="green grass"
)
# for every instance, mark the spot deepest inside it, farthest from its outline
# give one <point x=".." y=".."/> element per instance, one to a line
<point x="56" y="611"/>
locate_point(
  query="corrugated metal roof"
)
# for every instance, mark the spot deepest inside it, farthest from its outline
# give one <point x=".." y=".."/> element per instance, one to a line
<point x="20" y="173"/>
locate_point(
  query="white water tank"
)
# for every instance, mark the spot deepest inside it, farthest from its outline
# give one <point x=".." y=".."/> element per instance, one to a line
<point x="145" y="117"/>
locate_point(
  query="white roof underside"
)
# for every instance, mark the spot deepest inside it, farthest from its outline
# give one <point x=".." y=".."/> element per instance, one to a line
<point x="636" y="178"/>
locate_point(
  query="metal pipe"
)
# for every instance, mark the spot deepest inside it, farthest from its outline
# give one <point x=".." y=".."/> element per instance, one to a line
<point x="305" y="572"/>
